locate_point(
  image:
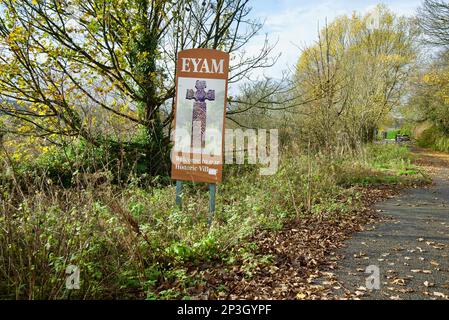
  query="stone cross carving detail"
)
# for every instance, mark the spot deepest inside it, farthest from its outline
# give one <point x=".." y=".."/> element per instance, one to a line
<point x="199" y="105"/>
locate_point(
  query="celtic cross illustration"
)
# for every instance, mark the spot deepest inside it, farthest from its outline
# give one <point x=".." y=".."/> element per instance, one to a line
<point x="199" y="106"/>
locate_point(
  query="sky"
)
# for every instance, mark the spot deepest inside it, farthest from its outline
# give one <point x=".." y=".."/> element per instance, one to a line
<point x="292" y="24"/>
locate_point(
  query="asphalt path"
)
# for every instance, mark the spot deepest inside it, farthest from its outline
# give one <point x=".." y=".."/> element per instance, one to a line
<point x="410" y="249"/>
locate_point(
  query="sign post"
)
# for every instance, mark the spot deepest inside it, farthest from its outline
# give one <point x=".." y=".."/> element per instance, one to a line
<point x="200" y="109"/>
<point x="212" y="190"/>
<point x="178" y="193"/>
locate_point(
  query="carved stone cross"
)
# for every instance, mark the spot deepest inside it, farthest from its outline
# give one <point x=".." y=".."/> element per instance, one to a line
<point x="199" y="105"/>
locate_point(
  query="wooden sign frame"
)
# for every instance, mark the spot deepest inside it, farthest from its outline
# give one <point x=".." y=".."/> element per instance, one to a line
<point x="207" y="71"/>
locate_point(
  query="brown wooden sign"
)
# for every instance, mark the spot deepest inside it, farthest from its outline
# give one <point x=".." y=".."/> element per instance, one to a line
<point x="200" y="109"/>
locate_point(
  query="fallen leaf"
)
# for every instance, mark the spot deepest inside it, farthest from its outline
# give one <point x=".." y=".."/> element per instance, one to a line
<point x="301" y="296"/>
<point x="399" y="281"/>
<point x="439" y="294"/>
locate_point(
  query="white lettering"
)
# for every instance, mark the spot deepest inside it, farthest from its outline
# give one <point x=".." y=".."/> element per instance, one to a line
<point x="217" y="67"/>
<point x="185" y="65"/>
<point x="202" y="65"/>
<point x="195" y="63"/>
<point x="205" y="67"/>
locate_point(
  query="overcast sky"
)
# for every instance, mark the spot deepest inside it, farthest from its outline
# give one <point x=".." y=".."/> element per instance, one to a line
<point x="294" y="23"/>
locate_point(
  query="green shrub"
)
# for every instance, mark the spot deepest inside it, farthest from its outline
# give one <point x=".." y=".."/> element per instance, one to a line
<point x="435" y="139"/>
<point x="122" y="161"/>
<point x="48" y="232"/>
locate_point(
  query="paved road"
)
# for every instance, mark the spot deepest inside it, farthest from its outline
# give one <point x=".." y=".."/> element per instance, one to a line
<point x="412" y="249"/>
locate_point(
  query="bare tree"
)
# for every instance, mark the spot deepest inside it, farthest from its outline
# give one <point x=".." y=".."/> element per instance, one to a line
<point x="434" y="21"/>
<point x="63" y="58"/>
<point x="358" y="75"/>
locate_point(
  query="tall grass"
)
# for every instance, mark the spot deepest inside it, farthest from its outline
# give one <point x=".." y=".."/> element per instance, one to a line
<point x="126" y="240"/>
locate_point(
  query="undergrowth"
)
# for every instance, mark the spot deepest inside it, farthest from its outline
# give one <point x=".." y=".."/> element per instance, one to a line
<point x="126" y="240"/>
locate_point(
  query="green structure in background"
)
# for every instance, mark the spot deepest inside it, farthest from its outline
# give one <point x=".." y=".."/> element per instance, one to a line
<point x="392" y="134"/>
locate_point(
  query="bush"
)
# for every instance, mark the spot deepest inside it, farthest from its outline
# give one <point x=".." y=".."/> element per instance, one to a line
<point x="435" y="139"/>
<point x="47" y="231"/>
<point x="120" y="162"/>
